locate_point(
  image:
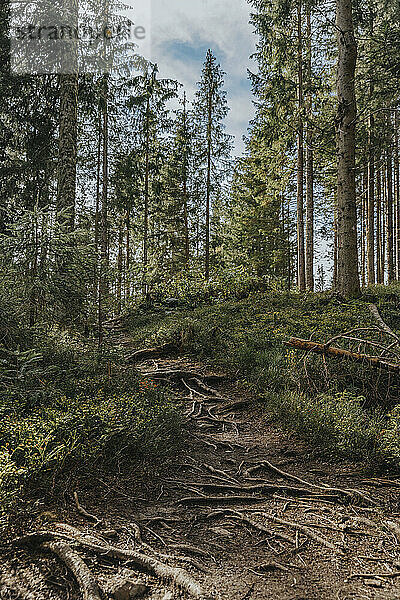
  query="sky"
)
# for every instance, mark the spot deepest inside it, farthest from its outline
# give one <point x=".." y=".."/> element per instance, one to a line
<point x="181" y="33"/>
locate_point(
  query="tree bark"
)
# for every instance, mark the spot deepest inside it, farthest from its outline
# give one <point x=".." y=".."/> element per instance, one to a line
<point x="185" y="190"/>
<point x="67" y="149"/>
<point x="301" y="275"/>
<point x="348" y="275"/>
<point x="309" y="167"/>
<point x="379" y="264"/>
<point x="120" y="264"/>
<point x="397" y="190"/>
<point x="146" y="200"/>
<point x="128" y="256"/>
<point x="103" y="278"/>
<point x="208" y="197"/>
<point x="371" y="203"/>
<point x="389" y="205"/>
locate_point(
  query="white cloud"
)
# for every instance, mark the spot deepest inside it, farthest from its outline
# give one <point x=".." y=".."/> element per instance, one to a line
<point x="223" y="26"/>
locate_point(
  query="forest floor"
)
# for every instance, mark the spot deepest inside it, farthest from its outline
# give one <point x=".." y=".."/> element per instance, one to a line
<point x="228" y="510"/>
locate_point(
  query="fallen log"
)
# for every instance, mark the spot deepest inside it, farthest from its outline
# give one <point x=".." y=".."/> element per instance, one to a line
<point x="326" y="350"/>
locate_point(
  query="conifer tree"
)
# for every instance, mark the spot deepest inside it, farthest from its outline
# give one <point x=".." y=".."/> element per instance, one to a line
<point x="210" y="109"/>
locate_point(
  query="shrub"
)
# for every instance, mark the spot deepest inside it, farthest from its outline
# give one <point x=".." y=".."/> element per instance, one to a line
<point x="83" y="431"/>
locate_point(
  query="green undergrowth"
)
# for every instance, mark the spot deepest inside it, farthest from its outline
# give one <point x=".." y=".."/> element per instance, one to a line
<point x="344" y="408"/>
<point x="66" y="410"/>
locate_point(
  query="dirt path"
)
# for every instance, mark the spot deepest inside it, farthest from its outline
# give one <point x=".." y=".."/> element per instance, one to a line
<point x="238" y="527"/>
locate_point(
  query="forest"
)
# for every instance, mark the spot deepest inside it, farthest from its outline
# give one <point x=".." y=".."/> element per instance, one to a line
<point x="200" y="347"/>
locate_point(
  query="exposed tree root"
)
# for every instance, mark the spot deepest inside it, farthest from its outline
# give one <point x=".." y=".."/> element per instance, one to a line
<point x="210" y="500"/>
<point x="78" y="568"/>
<point x="84" y="512"/>
<point x="176" y="576"/>
<point x="175" y="374"/>
<point x="147" y="353"/>
<point x="240" y="517"/>
<point x="394" y="528"/>
<point x="306" y="530"/>
<point x="350" y="492"/>
<point x="207" y="396"/>
<point x="375" y="312"/>
<point x="236" y="405"/>
<point x="223" y="474"/>
<point x="207" y="388"/>
<point x="191" y="550"/>
<point x="264" y="487"/>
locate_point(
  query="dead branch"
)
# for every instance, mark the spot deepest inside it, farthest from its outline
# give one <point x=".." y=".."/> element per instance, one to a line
<point x="78" y="568"/>
<point x="325" y="350"/>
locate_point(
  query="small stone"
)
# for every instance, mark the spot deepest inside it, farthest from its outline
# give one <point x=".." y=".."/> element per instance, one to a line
<point x="125" y="589"/>
<point x="110" y="533"/>
<point x="373" y="583"/>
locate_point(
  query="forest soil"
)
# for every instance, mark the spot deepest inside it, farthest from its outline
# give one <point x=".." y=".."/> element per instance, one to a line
<point x="232" y="559"/>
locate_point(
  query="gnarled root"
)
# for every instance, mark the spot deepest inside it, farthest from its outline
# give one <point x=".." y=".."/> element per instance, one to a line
<point x="78" y="568"/>
<point x="176" y="576"/>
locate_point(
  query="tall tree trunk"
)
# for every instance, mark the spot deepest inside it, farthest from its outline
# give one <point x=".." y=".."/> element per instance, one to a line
<point x="335" y="247"/>
<point x="128" y="256"/>
<point x="363" y="214"/>
<point x="371" y="204"/>
<point x="98" y="179"/>
<point x="33" y="300"/>
<point x="379" y="265"/>
<point x="146" y="200"/>
<point x="120" y="264"/>
<point x="348" y="276"/>
<point x="67" y="149"/>
<point x="103" y="279"/>
<point x="309" y="167"/>
<point x="389" y="207"/>
<point x="397" y="188"/>
<point x="208" y="198"/>
<point x="301" y="267"/>
<point x="289" y="248"/>
<point x="185" y="190"/>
